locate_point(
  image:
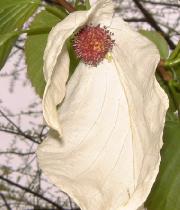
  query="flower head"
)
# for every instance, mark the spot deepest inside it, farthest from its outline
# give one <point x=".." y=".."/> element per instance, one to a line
<point x="92" y="43"/>
<point x="111" y="117"/>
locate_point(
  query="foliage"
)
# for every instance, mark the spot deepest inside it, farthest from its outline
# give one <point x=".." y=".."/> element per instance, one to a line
<point x="164" y="192"/>
<point x="34" y="49"/>
<point x="167" y="185"/>
<point x="158" y="40"/>
<point x="13" y="15"/>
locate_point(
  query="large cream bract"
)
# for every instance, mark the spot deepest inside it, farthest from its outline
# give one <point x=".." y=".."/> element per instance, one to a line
<point x="103" y="148"/>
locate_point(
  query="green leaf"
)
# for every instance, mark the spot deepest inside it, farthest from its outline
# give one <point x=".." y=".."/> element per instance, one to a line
<point x="173" y="63"/>
<point x="13" y="14"/>
<point x="176" y="93"/>
<point x="57" y="10"/>
<point x="6" y="43"/>
<point x="11" y="3"/>
<point x="34" y="49"/>
<point x="172" y="116"/>
<point x="176" y="53"/>
<point x="165" y="86"/>
<point x="165" y="192"/>
<point x="158" y="40"/>
<point x="5" y="50"/>
<point x="8" y="36"/>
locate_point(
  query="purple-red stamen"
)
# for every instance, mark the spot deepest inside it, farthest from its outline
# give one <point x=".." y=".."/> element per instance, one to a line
<point x="92" y="43"/>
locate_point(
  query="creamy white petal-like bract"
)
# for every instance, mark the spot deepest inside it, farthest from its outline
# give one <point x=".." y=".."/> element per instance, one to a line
<point x="103" y="148"/>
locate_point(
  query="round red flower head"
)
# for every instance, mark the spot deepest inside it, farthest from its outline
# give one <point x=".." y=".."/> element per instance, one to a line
<point x="113" y="110"/>
<point x="92" y="44"/>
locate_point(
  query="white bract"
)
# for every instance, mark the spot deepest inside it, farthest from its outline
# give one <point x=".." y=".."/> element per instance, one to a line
<point x="103" y="148"/>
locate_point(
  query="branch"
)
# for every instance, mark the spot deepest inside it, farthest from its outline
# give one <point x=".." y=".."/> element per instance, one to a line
<point x="19" y="134"/>
<point x="161" y="3"/>
<point x="18" y="131"/>
<point x="16" y="153"/>
<point x="49" y="1"/>
<point x="166" y="75"/>
<point x="135" y="19"/>
<point x="31" y="192"/>
<point x="66" y="5"/>
<point x="153" y="23"/>
<point x="5" y="201"/>
<point x="19" y="47"/>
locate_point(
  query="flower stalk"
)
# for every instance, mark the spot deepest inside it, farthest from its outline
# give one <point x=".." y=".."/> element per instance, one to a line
<point x="66" y="5"/>
<point x="166" y="75"/>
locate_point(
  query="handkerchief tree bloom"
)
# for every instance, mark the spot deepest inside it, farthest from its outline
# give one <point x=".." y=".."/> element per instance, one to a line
<point x="106" y="122"/>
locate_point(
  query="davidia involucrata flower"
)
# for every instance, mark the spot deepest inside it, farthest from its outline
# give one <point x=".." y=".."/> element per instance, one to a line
<point x="103" y="148"/>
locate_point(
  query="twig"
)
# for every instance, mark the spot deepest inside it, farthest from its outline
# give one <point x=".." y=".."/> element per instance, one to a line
<point x="19" y="134"/>
<point x="5" y="201"/>
<point x="27" y="190"/>
<point x="16" y="153"/>
<point x="18" y="131"/>
<point x="153" y="23"/>
<point x="135" y="19"/>
<point x="66" y="5"/>
<point x="166" y="75"/>
<point x="161" y="3"/>
<point x="19" y="47"/>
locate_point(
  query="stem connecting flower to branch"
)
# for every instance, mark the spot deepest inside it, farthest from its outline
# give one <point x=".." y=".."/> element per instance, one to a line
<point x="66" y="5"/>
<point x="166" y="75"/>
